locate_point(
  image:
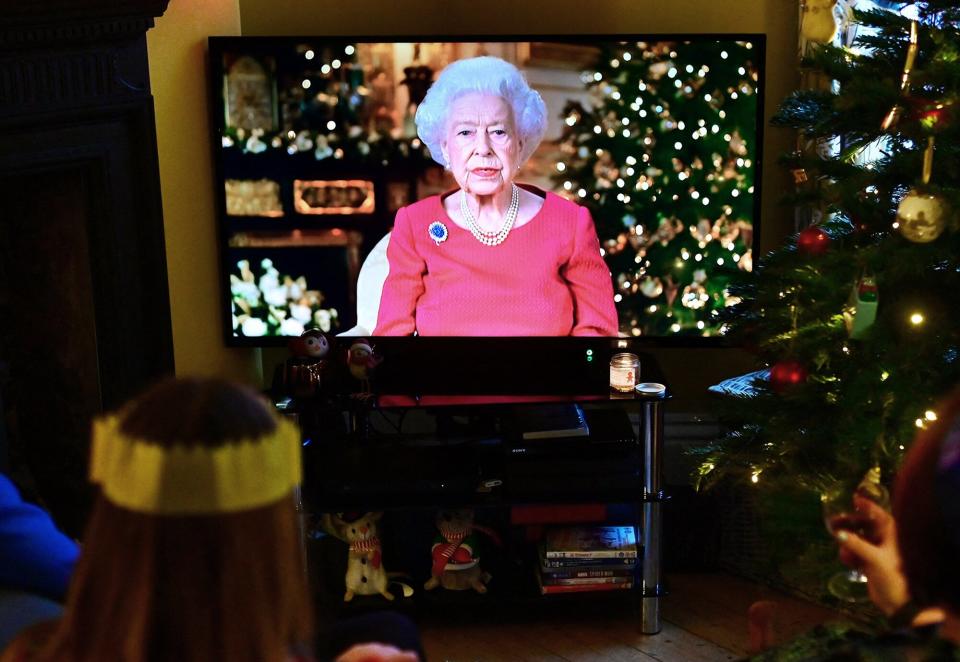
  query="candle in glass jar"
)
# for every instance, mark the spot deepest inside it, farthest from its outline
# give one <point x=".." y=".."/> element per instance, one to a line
<point x="624" y="371"/>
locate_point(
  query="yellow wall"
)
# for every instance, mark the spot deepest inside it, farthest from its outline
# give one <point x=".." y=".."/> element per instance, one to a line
<point x="177" y="47"/>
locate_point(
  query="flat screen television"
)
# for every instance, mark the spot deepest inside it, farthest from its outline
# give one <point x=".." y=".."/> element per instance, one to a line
<point x="658" y="136"/>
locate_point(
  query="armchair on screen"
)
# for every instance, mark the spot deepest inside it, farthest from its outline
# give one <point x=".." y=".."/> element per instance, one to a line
<point x="373" y="273"/>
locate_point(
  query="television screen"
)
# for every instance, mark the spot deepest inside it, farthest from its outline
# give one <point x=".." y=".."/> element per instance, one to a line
<point x="658" y="137"/>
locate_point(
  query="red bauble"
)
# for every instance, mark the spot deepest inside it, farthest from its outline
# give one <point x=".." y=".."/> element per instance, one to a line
<point x="787" y="374"/>
<point x="813" y="241"/>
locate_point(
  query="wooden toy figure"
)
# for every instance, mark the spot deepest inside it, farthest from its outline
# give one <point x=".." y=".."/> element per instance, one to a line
<point x="456" y="559"/>
<point x="303" y="373"/>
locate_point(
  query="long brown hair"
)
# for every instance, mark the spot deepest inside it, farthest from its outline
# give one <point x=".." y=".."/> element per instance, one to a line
<point x="203" y="588"/>
<point x="927" y="539"/>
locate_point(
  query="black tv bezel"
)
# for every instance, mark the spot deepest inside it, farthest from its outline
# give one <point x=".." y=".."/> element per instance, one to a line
<point x="217" y="45"/>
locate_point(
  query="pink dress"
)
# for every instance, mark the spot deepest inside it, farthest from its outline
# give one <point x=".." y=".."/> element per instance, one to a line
<point x="546" y="279"/>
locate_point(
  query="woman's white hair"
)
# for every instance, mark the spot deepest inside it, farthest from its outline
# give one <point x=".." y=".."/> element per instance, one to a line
<point x="481" y="74"/>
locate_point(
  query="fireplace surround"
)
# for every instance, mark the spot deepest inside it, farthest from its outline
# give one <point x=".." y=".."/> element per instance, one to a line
<point x="84" y="307"/>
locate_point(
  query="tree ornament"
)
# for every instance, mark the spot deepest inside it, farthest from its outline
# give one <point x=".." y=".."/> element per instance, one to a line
<point x="861" y="310"/>
<point x="651" y="287"/>
<point x="813" y="241"/>
<point x="787" y="374"/>
<point x="934" y="116"/>
<point x="818" y="23"/>
<point x="894" y="114"/>
<point x="922" y="217"/>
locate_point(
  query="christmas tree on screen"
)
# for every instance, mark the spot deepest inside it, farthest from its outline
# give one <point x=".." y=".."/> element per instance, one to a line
<point x="664" y="160"/>
<point x="858" y="316"/>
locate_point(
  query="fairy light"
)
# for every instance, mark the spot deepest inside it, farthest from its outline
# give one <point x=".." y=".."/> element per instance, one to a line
<point x="291" y="134"/>
<point x="884" y="376"/>
<point x="331" y="125"/>
<point x="306" y="83"/>
<point x="642" y="113"/>
<point x="701" y="325"/>
<point x="567" y="185"/>
<point x="597" y="76"/>
<point x="618" y="297"/>
<point x="597" y="129"/>
<point x="336" y="64"/>
<point x="930" y="415"/>
<point x="309" y="54"/>
<point x="916" y="319"/>
<point x="561" y="166"/>
<point x="325" y="69"/>
<point x="675" y="327"/>
<point x="755" y="476"/>
<point x="723" y="55"/>
<point x="349" y="49"/>
<point x="582" y="193"/>
<point x="735" y="193"/>
<point x="919" y="423"/>
<point x="627" y="57"/>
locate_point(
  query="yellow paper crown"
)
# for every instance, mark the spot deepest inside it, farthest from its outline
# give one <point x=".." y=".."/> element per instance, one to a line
<point x="146" y="477"/>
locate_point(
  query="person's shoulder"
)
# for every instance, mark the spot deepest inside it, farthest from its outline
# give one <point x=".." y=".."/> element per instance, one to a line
<point x="560" y="208"/>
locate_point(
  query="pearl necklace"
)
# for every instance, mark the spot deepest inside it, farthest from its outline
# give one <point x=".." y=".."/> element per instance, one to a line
<point x="492" y="238"/>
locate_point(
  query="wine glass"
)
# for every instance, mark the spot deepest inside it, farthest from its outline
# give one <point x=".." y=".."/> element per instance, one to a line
<point x="842" y="513"/>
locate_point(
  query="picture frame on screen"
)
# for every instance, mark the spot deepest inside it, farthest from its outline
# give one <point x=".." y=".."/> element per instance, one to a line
<point x="645" y="174"/>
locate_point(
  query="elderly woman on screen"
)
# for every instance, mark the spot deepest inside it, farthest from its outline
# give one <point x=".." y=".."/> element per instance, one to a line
<point x="492" y="258"/>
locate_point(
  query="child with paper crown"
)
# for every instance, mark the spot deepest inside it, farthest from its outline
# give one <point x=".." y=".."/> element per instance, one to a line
<point x="192" y="552"/>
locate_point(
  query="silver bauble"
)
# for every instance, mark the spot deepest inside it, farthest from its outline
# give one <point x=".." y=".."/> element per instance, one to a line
<point x="922" y="216"/>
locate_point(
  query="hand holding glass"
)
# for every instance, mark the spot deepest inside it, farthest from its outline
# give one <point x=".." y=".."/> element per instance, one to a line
<point x="853" y="509"/>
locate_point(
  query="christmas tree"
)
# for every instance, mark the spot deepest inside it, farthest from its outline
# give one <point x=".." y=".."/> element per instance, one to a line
<point x="662" y="158"/>
<point x="857" y="316"/>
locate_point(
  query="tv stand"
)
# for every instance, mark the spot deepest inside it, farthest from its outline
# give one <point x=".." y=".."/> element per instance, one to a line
<point x="467" y="455"/>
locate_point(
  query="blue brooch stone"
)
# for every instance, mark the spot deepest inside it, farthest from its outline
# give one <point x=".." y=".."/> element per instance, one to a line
<point x="438" y="232"/>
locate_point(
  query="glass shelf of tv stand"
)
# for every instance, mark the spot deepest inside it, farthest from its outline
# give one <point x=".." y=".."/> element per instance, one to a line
<point x="409" y="470"/>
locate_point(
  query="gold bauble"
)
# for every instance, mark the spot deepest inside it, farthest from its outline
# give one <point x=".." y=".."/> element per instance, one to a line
<point x="922" y="216"/>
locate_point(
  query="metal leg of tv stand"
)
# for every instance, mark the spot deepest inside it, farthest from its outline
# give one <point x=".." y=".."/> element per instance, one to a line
<point x="652" y="503"/>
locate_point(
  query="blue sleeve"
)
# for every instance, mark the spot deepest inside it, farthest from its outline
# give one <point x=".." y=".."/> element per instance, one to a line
<point x="34" y="555"/>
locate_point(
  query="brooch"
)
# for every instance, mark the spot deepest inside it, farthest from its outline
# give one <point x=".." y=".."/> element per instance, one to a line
<point x="438" y="232"/>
